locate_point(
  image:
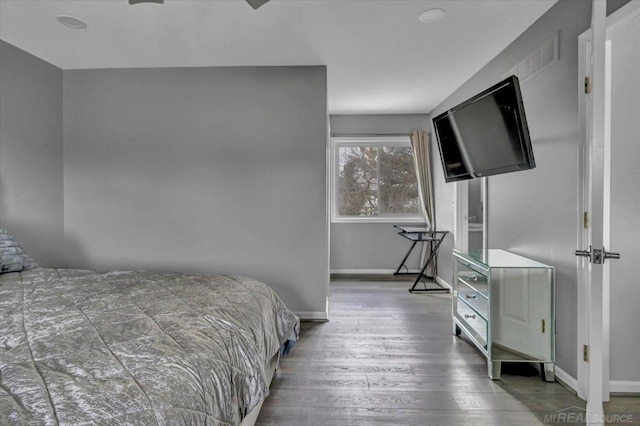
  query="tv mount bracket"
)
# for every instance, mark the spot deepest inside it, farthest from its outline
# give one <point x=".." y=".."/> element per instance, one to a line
<point x="597" y="256"/>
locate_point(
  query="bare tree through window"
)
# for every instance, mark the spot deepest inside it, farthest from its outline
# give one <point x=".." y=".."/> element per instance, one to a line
<point x="376" y="181"/>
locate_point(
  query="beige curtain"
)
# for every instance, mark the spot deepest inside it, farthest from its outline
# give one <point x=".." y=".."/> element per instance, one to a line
<point x="422" y="160"/>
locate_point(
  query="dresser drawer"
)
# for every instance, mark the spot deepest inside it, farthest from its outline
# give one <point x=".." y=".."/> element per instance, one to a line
<point x="473" y="279"/>
<point x="472" y="321"/>
<point x="474" y="298"/>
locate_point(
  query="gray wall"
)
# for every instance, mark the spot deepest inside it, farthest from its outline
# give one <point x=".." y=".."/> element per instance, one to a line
<point x="534" y="213"/>
<point x="31" y="186"/>
<point x="200" y="169"/>
<point x="371" y="246"/>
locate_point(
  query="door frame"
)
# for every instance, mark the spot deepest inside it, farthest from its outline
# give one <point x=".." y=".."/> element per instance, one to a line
<point x="590" y="287"/>
<point x="584" y="237"/>
<point x="461" y="216"/>
<point x="582" y="243"/>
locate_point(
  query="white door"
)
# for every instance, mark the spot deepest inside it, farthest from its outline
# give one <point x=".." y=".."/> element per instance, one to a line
<point x="622" y="180"/>
<point x="610" y="189"/>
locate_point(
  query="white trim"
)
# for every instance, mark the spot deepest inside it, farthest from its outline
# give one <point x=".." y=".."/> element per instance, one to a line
<point x="626" y="12"/>
<point x="606" y="225"/>
<point x="566" y="379"/>
<point x="371" y="140"/>
<point x="624" y="386"/>
<point x="438" y="279"/>
<point x="443" y="283"/>
<point x="378" y="219"/>
<point x="326" y="313"/>
<point x="313" y="316"/>
<point x="460" y="213"/>
<point x="327" y="197"/>
<point x="595" y="291"/>
<point x="615" y="386"/>
<point x="370" y="271"/>
<point x="583" y="237"/>
<point x="485" y="213"/>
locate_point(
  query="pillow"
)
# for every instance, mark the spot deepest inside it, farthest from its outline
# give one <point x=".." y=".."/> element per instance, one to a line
<point x="12" y="257"/>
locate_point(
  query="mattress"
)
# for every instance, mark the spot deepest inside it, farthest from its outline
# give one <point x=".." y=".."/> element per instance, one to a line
<point x="81" y="347"/>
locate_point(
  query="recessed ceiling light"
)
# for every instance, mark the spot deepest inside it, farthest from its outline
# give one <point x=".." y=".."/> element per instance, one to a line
<point x="71" y="22"/>
<point x="432" y="15"/>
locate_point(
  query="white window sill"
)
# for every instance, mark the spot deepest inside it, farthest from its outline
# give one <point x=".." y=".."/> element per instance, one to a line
<point x="390" y="220"/>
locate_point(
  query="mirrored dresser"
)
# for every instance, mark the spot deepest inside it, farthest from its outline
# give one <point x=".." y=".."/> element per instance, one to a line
<point x="504" y="304"/>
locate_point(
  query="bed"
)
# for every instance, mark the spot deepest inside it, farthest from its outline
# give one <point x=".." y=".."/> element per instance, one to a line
<point x="82" y="347"/>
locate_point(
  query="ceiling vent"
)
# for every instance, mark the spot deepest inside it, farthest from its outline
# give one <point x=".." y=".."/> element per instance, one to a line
<point x="538" y="60"/>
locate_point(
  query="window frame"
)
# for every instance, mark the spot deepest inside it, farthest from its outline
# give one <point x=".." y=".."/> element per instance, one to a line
<point x="352" y="141"/>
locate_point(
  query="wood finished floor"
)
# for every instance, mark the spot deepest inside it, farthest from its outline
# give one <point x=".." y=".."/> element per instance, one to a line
<point x="388" y="357"/>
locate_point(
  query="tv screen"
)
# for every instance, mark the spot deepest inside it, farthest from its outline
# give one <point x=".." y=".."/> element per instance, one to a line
<point x="486" y="135"/>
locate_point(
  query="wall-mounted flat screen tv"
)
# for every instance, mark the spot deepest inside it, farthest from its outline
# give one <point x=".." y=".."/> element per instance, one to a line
<point x="486" y="135"/>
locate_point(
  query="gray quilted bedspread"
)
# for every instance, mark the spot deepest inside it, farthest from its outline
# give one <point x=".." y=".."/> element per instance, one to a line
<point x="79" y="347"/>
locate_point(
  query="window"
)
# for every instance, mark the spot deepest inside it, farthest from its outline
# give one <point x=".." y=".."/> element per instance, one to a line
<point x="374" y="180"/>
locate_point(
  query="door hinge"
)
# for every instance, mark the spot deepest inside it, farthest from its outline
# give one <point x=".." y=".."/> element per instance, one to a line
<point x="587" y="85"/>
<point x="585" y="353"/>
<point x="585" y="220"/>
<point x="543" y="326"/>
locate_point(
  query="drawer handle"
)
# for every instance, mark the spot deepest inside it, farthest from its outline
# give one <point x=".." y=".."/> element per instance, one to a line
<point x="470" y="316"/>
<point x="471" y="296"/>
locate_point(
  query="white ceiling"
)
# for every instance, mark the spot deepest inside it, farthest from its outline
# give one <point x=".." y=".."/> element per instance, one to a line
<point x="380" y="59"/>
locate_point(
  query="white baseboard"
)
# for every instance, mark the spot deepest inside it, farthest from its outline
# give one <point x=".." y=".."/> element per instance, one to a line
<point x="312" y="316"/>
<point x="567" y="379"/>
<point x="369" y="271"/>
<point x="443" y="283"/>
<point x="615" y="386"/>
<point x="624" y="386"/>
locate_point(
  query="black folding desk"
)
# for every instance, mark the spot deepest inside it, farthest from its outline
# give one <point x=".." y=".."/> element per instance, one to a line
<point x="417" y="234"/>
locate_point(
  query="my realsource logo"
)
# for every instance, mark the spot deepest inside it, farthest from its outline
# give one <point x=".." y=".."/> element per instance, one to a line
<point x="580" y="415"/>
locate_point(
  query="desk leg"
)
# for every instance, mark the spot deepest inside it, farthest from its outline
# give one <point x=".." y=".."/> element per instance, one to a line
<point x="405" y="258"/>
<point x="431" y="258"/>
